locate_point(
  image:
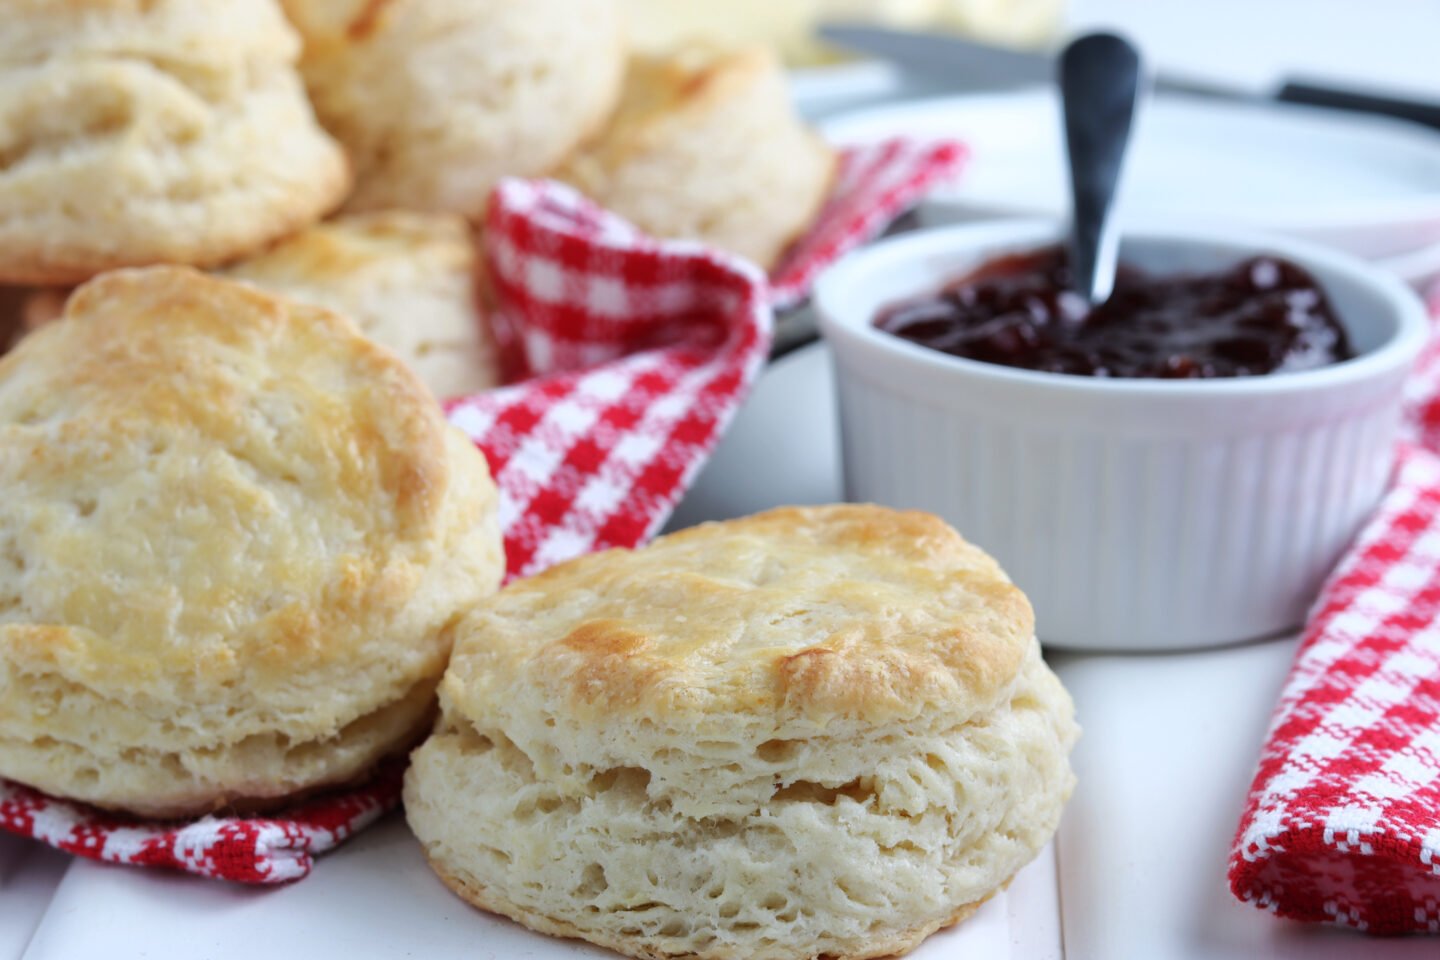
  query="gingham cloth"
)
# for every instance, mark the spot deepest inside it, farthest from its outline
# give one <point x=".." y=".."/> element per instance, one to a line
<point x="1343" y="820"/>
<point x="639" y="353"/>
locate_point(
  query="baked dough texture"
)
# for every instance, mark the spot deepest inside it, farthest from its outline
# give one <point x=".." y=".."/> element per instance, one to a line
<point x="235" y="540"/>
<point x="436" y="100"/>
<point x="813" y="732"/>
<point x="147" y="131"/>
<point x="407" y="279"/>
<point x="706" y="146"/>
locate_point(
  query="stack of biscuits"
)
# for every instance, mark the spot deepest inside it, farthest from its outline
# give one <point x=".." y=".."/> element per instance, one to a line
<point x="244" y="559"/>
<point x="218" y="134"/>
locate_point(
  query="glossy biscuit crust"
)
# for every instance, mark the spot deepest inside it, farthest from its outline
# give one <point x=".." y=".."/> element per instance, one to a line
<point x="235" y="539"/>
<point x="816" y="731"/>
<point x="802" y="616"/>
<point x="152" y="131"/>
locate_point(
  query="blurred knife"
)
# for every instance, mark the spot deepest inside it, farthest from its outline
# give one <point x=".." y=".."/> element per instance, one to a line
<point x="966" y="64"/>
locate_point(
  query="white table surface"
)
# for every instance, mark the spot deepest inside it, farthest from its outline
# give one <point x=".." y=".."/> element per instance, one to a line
<point x="29" y="874"/>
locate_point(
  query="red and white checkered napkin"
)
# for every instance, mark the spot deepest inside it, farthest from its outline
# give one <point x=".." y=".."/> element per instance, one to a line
<point x="638" y="354"/>
<point x="1343" y="820"/>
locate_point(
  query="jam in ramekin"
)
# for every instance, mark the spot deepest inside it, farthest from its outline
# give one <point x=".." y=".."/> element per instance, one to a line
<point x="1263" y="315"/>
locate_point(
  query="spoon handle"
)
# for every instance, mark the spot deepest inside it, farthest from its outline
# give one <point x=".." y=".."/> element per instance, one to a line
<point x="1099" y="87"/>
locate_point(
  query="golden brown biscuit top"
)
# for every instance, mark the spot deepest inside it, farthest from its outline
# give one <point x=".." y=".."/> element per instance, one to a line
<point x="343" y="250"/>
<point x="799" y="613"/>
<point x="664" y="94"/>
<point x="199" y="477"/>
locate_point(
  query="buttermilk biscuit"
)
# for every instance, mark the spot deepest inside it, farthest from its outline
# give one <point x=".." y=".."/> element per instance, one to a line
<point x="436" y="100"/>
<point x="146" y="131"/>
<point x="813" y="732"/>
<point x="707" y="147"/>
<point x="235" y="539"/>
<point x="407" y="279"/>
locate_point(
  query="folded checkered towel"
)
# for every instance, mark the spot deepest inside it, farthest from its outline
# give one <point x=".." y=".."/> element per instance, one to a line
<point x="1343" y="819"/>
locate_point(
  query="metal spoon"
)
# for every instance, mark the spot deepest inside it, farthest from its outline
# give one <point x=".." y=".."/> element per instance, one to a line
<point x="1099" y="87"/>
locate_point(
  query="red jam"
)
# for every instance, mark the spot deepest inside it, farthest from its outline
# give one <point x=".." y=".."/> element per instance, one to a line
<point x="1264" y="315"/>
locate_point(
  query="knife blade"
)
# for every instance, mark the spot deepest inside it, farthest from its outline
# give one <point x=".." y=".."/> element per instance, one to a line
<point x="949" y="59"/>
<point x="967" y="64"/>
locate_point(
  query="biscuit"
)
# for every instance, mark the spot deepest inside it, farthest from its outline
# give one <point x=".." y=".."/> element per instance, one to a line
<point x="235" y="540"/>
<point x="436" y="100"/>
<point x="707" y="147"/>
<point x="822" y="731"/>
<point x="407" y="279"/>
<point x="152" y="131"/>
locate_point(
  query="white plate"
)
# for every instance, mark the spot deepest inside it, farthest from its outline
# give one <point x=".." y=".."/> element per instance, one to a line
<point x="1364" y="184"/>
<point x="823" y="89"/>
<point x="375" y="897"/>
<point x="29" y="874"/>
<point x="1420" y="268"/>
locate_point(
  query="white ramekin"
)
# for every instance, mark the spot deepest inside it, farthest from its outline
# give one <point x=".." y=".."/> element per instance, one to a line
<point x="1136" y="514"/>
